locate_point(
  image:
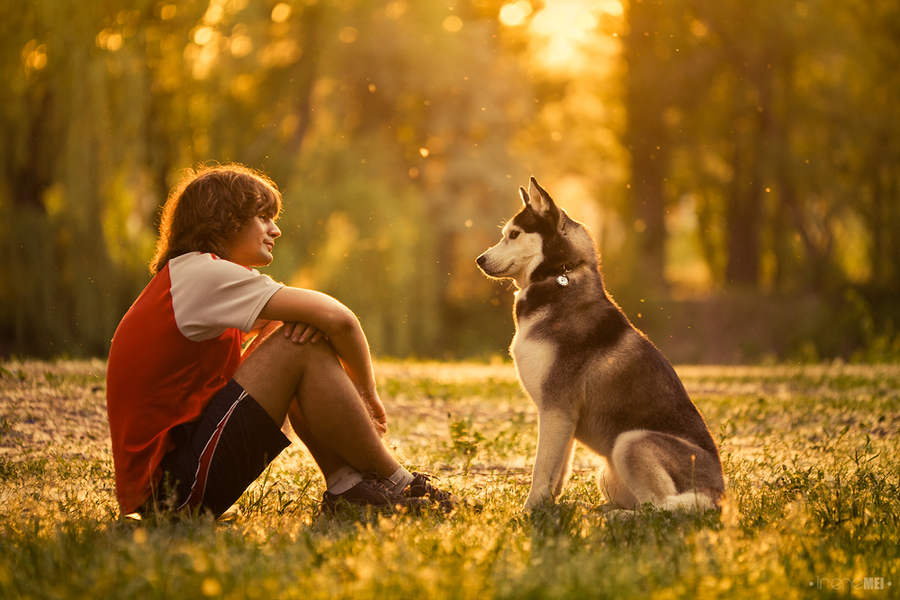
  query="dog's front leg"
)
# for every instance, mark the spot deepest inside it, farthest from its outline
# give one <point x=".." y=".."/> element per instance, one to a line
<point x="556" y="429"/>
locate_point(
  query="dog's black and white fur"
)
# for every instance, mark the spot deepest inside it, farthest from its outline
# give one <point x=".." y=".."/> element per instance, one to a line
<point x="593" y="376"/>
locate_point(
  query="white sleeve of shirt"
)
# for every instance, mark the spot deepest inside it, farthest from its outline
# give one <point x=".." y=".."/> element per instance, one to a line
<point x="211" y="295"/>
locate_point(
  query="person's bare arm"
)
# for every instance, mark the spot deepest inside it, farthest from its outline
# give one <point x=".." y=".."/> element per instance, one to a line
<point x="299" y="333"/>
<point x="340" y="326"/>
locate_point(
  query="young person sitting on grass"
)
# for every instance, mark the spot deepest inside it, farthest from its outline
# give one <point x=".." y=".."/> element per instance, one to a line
<point x="193" y="420"/>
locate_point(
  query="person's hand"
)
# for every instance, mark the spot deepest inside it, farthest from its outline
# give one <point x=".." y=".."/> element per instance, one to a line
<point x="300" y="333"/>
<point x="380" y="424"/>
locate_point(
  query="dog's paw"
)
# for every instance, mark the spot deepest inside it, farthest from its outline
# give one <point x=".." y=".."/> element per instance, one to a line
<point x="617" y="514"/>
<point x="536" y="499"/>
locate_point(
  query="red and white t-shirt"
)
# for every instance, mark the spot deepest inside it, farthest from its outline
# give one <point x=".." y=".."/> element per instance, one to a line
<point x="178" y="344"/>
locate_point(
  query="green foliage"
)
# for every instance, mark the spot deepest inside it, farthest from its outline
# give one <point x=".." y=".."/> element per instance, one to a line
<point x="708" y="145"/>
<point x="763" y="124"/>
<point x="813" y="498"/>
<point x="466" y="442"/>
<point x="881" y="341"/>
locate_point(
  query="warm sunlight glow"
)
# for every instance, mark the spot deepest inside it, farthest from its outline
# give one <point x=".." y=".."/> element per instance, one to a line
<point x="565" y="26"/>
<point x="281" y="13"/>
<point x="241" y="45"/>
<point x="613" y="8"/>
<point x="36" y="55"/>
<point x="453" y="24"/>
<point x="213" y="14"/>
<point x="203" y="35"/>
<point x="396" y="9"/>
<point x="514" y="14"/>
<point x="167" y="12"/>
<point x="114" y="42"/>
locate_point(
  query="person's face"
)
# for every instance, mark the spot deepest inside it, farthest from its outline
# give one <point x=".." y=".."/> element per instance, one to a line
<point x="252" y="245"/>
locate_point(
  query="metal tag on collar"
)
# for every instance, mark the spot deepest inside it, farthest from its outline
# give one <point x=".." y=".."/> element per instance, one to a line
<point x="563" y="280"/>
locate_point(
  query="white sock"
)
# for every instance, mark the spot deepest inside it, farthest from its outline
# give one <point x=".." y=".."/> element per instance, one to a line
<point x="342" y="480"/>
<point x="401" y="478"/>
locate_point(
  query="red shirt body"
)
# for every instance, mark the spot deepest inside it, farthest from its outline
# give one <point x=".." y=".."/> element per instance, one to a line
<point x="178" y="344"/>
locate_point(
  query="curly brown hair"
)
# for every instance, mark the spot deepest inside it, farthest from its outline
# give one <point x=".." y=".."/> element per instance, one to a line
<point x="208" y="206"/>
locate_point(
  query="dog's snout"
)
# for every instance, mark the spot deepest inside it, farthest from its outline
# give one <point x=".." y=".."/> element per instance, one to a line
<point x="481" y="260"/>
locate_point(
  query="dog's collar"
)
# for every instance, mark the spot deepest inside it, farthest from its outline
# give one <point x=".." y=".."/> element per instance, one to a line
<point x="563" y="278"/>
<point x="558" y="274"/>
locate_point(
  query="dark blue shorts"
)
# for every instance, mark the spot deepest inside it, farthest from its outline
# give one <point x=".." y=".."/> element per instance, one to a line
<point x="216" y="458"/>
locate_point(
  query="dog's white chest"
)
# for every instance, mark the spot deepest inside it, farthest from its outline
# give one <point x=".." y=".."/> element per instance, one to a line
<point x="533" y="358"/>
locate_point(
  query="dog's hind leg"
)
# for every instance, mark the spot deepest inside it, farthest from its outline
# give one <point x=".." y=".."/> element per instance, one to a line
<point x="614" y="489"/>
<point x="664" y="470"/>
<point x="556" y="434"/>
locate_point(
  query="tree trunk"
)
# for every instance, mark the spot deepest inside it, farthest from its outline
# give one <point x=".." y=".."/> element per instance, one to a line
<point x="647" y="140"/>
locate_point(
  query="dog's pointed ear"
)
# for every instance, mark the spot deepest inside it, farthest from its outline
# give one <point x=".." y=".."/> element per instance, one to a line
<point x="524" y="196"/>
<point x="541" y="202"/>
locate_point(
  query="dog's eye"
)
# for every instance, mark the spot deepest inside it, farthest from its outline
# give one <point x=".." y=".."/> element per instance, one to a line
<point x="513" y="235"/>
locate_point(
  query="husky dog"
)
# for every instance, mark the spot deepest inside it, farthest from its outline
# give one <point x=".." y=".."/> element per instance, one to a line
<point x="593" y="376"/>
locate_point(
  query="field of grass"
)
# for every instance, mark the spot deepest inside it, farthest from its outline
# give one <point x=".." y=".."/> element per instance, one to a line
<point x="810" y="456"/>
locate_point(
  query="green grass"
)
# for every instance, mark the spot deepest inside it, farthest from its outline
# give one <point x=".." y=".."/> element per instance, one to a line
<point x="810" y="456"/>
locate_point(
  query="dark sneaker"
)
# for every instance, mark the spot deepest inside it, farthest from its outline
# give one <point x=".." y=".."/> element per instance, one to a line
<point x="438" y="499"/>
<point x="371" y="492"/>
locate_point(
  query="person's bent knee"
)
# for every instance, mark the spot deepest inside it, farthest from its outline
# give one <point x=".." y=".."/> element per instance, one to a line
<point x="279" y="363"/>
<point x="273" y="373"/>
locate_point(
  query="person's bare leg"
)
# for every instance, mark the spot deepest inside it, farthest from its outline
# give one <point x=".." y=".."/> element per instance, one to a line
<point x="328" y="460"/>
<point x="278" y="371"/>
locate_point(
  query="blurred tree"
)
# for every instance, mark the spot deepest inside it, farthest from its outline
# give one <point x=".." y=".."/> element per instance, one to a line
<point x="765" y="137"/>
<point x="59" y="284"/>
<point x="650" y="89"/>
<point x="760" y="136"/>
<point x="402" y="172"/>
<point x="102" y="105"/>
<point x="872" y="119"/>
